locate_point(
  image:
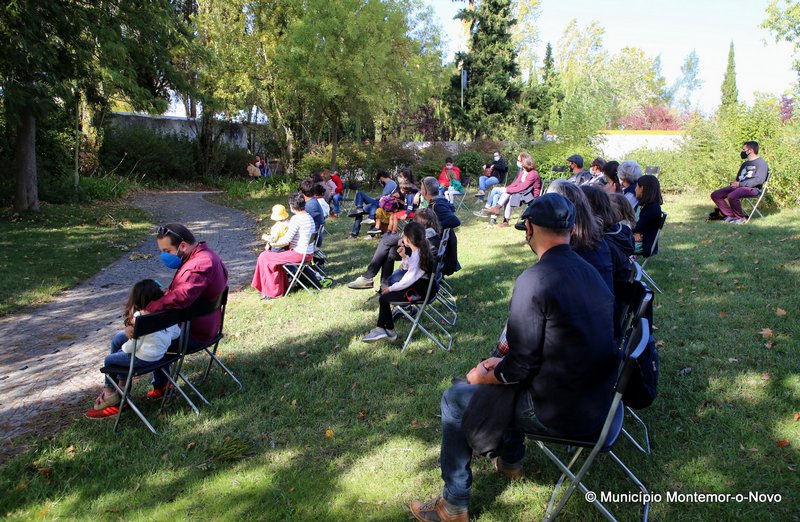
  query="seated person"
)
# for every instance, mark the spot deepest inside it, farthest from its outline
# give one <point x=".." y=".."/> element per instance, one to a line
<point x="319" y="195"/>
<point x="444" y="176"/>
<point x="455" y="188"/>
<point x="526" y="181"/>
<point x="269" y="278"/>
<point x="408" y="193"/>
<point x="418" y="264"/>
<point x="612" y="183"/>
<point x="648" y="192"/>
<point x="623" y="213"/>
<point x="587" y="238"/>
<point x="596" y="170"/>
<point x="386" y="252"/>
<point x="309" y="189"/>
<point x="387" y="205"/>
<point x="329" y="184"/>
<point x="629" y="173"/>
<point x="252" y="171"/>
<point x="149" y="349"/>
<point x="752" y="175"/>
<point x="362" y="199"/>
<point x="579" y="175"/>
<point x="338" y="193"/>
<point x="263" y="166"/>
<point x="492" y="174"/>
<point x="557" y="376"/>
<point x="274" y="239"/>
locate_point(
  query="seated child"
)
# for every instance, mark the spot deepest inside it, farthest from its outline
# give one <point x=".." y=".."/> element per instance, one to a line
<point x="648" y="192"/>
<point x="387" y="205"/>
<point x="274" y="239"/>
<point x="455" y="187"/>
<point x="150" y="348"/>
<point x="418" y="262"/>
<point x="407" y="193"/>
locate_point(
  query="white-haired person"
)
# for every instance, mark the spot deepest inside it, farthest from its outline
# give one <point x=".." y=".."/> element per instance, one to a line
<point x="629" y="173"/>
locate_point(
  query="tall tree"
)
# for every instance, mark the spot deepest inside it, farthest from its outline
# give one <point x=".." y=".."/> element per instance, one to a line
<point x="491" y="69"/>
<point x="688" y="83"/>
<point x="784" y="22"/>
<point x="730" y="95"/>
<point x="51" y="50"/>
<point x="525" y="35"/>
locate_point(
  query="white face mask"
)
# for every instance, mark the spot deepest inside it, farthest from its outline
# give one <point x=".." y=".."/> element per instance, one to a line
<point x="519" y="165"/>
<point x="497" y="158"/>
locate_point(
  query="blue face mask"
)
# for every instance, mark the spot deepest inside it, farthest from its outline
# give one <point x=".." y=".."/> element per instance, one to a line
<point x="172" y="261"/>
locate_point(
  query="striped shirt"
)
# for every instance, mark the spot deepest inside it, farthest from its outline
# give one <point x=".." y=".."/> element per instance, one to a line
<point x="301" y="228"/>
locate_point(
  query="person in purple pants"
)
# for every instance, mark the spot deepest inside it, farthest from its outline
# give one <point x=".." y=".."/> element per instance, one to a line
<point x="752" y="175"/>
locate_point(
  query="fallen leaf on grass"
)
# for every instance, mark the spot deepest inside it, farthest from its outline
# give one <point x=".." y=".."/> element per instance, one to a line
<point x="659" y="343"/>
<point x="782" y="443"/>
<point x="415" y="423"/>
<point x="765" y="376"/>
<point x="22" y="485"/>
<point x="190" y="445"/>
<point x="732" y="360"/>
<point x="70" y="451"/>
<point x="726" y="270"/>
<point x="797" y="416"/>
<point x="780" y="312"/>
<point x="695" y="279"/>
<point x="362" y="414"/>
<point x="329" y="433"/>
<point x="766" y="333"/>
<point x="769" y="345"/>
<point x="722" y="315"/>
<point x="680" y="290"/>
<point x="294" y="403"/>
<point x="45" y="472"/>
<point x="791" y="467"/>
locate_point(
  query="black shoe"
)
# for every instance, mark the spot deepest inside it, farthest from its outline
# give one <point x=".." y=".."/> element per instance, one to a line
<point x="715" y="215"/>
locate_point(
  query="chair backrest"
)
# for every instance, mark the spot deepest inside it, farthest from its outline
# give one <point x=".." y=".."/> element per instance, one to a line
<point x="653" y="170"/>
<point x="320" y="233"/>
<point x="201" y="308"/>
<point x="637" y="342"/>
<point x="661" y="222"/>
<point x="155" y="322"/>
<point x="559" y="168"/>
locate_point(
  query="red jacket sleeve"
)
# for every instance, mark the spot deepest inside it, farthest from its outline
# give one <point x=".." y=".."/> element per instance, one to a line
<point x="443" y="179"/>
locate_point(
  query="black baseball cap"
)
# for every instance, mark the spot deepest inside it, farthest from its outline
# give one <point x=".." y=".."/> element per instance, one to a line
<point x="577" y="159"/>
<point x="551" y="210"/>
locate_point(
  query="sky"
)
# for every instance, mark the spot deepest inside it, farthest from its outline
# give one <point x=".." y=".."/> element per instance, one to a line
<point x="670" y="28"/>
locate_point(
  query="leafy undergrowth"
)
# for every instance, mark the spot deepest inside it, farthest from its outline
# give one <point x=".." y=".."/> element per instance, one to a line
<point x="329" y="428"/>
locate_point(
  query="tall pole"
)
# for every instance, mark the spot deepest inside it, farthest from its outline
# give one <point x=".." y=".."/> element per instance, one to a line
<point x="76" y="177"/>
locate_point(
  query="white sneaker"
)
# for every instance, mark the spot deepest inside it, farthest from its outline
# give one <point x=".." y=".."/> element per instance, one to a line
<point x="368" y="221"/>
<point x="376" y="334"/>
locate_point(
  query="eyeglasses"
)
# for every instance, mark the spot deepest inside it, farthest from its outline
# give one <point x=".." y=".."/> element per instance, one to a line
<point x="166" y="231"/>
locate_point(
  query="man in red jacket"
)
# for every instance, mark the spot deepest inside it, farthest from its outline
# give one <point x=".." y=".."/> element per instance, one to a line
<point x="200" y="274"/>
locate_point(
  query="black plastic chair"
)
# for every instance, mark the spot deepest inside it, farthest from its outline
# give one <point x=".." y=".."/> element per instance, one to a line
<point x="602" y="442"/>
<point x="145" y="325"/>
<point x="653" y="252"/>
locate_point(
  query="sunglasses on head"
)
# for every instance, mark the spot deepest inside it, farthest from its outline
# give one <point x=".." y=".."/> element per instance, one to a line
<point x="166" y="231"/>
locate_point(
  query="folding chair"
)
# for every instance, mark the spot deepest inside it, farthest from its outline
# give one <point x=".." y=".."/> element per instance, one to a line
<point x="460" y="199"/>
<point x="603" y="442"/>
<point x="145" y="325"/>
<point x="557" y="172"/>
<point x="297" y="271"/>
<point x="653" y="251"/>
<point x="754" y="206"/>
<point x="653" y="170"/>
<point x="200" y="309"/>
<point x="636" y="302"/>
<point x="414" y="311"/>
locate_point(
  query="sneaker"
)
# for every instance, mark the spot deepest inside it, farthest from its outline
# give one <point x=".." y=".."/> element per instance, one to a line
<point x="104" y="413"/>
<point x="504" y="224"/>
<point x="390" y="334"/>
<point x="326" y="282"/>
<point x="157" y="393"/>
<point x="333" y="215"/>
<point x="493" y="210"/>
<point x="739" y="221"/>
<point x="438" y="510"/>
<point x="370" y="237"/>
<point x="376" y="334"/>
<point x="374" y="231"/>
<point x="510" y="471"/>
<point x="481" y="213"/>
<point x="368" y="221"/>
<point x="361" y="283"/>
<point x="728" y="219"/>
<point x="351" y="236"/>
<point x="480" y="194"/>
<point x="358" y="211"/>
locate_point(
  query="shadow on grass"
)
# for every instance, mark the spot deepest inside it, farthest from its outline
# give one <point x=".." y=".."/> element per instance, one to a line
<point x="330" y="428"/>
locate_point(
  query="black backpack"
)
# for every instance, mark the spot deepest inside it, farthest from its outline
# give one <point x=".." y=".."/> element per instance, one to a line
<point x="643" y="386"/>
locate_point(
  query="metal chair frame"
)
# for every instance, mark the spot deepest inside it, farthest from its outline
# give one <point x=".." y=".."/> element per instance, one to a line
<point x="754" y="206"/>
<point x="653" y="170"/>
<point x="295" y="271"/>
<point x="650" y="254"/>
<point x="602" y="443"/>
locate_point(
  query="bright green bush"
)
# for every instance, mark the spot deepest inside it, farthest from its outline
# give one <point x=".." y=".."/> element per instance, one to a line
<point x="471" y="162"/>
<point x="137" y="152"/>
<point x="549" y="154"/>
<point x="431" y="161"/>
<point x="104" y="188"/>
<point x="391" y="155"/>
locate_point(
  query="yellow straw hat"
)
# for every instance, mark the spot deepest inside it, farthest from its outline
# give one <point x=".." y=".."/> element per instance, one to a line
<point x="279" y="213"/>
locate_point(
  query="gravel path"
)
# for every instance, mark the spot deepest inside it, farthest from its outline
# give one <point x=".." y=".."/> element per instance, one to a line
<point x="50" y="355"/>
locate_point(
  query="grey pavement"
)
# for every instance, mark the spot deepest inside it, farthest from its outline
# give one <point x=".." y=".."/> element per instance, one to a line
<point x="51" y="354"/>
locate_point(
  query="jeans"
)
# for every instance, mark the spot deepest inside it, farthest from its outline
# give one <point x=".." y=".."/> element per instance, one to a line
<point x="336" y="200"/>
<point x="384" y="258"/>
<point x="484" y="182"/>
<point x="732" y="207"/>
<point x="118" y="357"/>
<point x="456" y="454"/>
<point x="494" y="196"/>
<point x="367" y="203"/>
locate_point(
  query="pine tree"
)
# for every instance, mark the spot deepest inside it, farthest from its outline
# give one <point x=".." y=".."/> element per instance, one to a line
<point x="729" y="92"/>
<point x="549" y="63"/>
<point x="492" y="72"/>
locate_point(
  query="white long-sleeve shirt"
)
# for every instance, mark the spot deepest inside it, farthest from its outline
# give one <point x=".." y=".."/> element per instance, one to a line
<point x="152" y="347"/>
<point x="413" y="272"/>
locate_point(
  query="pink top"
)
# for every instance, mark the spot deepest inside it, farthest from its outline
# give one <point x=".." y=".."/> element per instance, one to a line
<point x="202" y="276"/>
<point x="523" y="182"/>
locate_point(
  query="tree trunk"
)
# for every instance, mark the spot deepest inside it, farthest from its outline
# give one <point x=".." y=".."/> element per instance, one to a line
<point x="334" y="141"/>
<point x="26" y="195"/>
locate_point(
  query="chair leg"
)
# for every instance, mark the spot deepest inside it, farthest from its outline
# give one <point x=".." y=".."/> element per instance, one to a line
<point x="214" y="359"/>
<point x="649" y="279"/>
<point x="646" y="448"/>
<point x="635" y="480"/>
<point x="191" y="387"/>
<point x="126" y="399"/>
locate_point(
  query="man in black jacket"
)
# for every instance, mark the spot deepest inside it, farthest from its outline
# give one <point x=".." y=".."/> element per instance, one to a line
<point x="561" y="364"/>
<point x="493" y="173"/>
<point x="752" y="175"/>
<point x="579" y="174"/>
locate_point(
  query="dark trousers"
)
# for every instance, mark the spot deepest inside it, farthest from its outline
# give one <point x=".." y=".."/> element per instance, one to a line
<point x="385" y="257"/>
<point x="420" y="286"/>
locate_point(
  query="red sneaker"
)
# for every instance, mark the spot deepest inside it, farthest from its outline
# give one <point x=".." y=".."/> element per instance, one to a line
<point x="157" y="393"/>
<point x="333" y="215"/>
<point x="104" y="413"/>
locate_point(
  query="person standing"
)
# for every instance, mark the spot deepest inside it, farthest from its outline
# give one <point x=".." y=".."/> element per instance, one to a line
<point x="748" y="184"/>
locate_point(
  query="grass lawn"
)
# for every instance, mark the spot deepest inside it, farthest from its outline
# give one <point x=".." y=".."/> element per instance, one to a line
<point x="44" y="253"/>
<point x="329" y="428"/>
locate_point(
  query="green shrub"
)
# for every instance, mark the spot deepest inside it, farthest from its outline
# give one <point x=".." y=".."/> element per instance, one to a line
<point x="471" y="162"/>
<point x="431" y="161"/>
<point x="137" y="152"/>
<point x="391" y="155"/>
<point x="675" y="175"/>
<point x="549" y="154"/>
